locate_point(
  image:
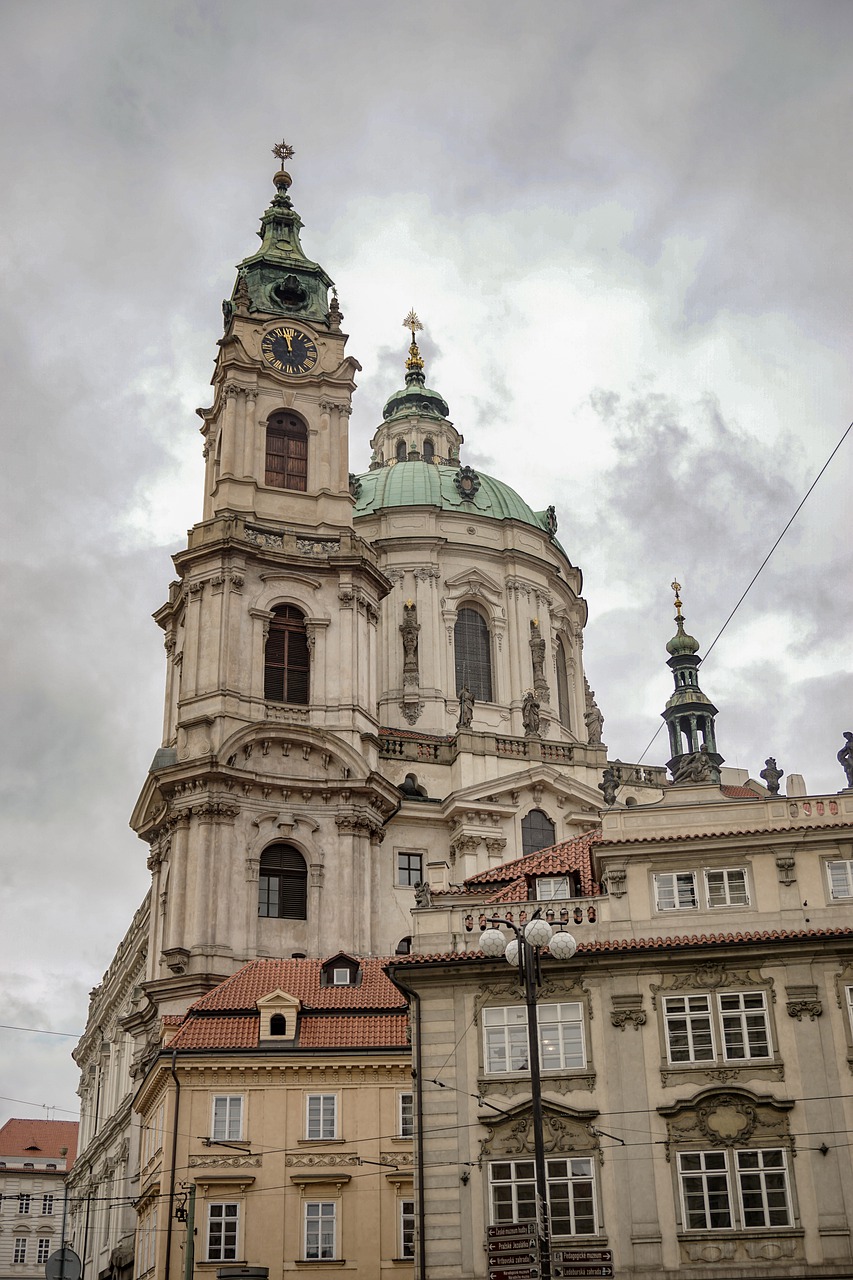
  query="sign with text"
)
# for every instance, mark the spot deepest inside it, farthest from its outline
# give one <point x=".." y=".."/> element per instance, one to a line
<point x="576" y="1270"/>
<point x="582" y="1255"/>
<point x="515" y="1273"/>
<point x="526" y="1245"/>
<point x="511" y="1231"/>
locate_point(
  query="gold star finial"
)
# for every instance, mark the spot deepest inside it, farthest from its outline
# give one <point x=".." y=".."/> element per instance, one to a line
<point x="283" y="151"/>
<point x="414" y="364"/>
<point x="676" y="586"/>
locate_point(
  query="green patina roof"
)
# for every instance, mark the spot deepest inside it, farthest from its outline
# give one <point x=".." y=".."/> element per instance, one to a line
<point x="424" y="484"/>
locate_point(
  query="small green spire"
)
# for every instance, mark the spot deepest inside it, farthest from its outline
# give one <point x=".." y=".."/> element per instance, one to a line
<point x="279" y="280"/>
<point x="689" y="714"/>
<point x="416" y="396"/>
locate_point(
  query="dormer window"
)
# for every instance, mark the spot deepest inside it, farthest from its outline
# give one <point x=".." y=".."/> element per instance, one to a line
<point x="340" y="971"/>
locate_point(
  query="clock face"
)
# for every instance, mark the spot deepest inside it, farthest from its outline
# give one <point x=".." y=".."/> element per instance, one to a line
<point x="289" y="350"/>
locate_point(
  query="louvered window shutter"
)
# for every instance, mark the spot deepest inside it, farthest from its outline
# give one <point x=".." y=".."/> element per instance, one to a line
<point x="287" y="452"/>
<point x="287" y="658"/>
<point x="283" y="883"/>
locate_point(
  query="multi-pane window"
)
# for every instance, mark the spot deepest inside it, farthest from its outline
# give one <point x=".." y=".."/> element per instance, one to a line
<point x="571" y="1194"/>
<point x="550" y="887"/>
<point x="736" y="1021"/>
<point x="227" y="1123"/>
<point x="675" y="890"/>
<point x="43" y="1252"/>
<point x="743" y="1017"/>
<point x="283" y="884"/>
<point x="473" y="654"/>
<point x="407" y="1228"/>
<point x="849" y="995"/>
<point x="726" y="887"/>
<point x="287" y="657"/>
<point x="562" y="684"/>
<point x="24" y="1203"/>
<point x="410" y="869"/>
<point x="689" y="1031"/>
<point x="561" y="1038"/>
<point x="760" y="1177"/>
<point x="537" y="832"/>
<point x="320" y="1229"/>
<point x="287" y="452"/>
<point x="47" y="1205"/>
<point x="222" y="1227"/>
<point x="406" y="1118"/>
<point x="840" y="878"/>
<point x="321" y="1117"/>
<point x="20" y="1251"/>
<point x="147" y="1241"/>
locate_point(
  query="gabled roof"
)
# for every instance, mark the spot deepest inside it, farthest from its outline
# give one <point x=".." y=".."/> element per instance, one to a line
<point x="372" y="1015"/>
<point x="557" y="859"/>
<point x="39" y="1140"/>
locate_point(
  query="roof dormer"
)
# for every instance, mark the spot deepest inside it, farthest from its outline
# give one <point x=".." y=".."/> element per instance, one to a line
<point x="279" y="1018"/>
<point x="340" y="970"/>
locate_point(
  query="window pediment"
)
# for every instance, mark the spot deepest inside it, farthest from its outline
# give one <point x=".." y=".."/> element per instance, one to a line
<point x="712" y="977"/>
<point x="564" y="1129"/>
<point x="725" y="1118"/>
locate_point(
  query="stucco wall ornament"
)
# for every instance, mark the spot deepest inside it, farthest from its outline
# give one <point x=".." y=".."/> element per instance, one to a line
<point x="628" y="1008"/>
<point x="726" y="1118"/>
<point x="412" y="709"/>
<point x="467" y="482"/>
<point x="711" y="977"/>
<point x="564" y="1129"/>
<point x="263" y="538"/>
<point x="225" y="1162"/>
<point x="803" y="1000"/>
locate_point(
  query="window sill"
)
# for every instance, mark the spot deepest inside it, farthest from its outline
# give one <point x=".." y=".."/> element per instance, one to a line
<point x="321" y="1142"/>
<point x="320" y="1262"/>
<point x="722" y="1072"/>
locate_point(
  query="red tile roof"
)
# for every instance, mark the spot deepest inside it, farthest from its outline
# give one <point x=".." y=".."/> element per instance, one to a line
<point x="568" y="855"/>
<point x="344" y="1032"/>
<point x="669" y="943"/>
<point x="739" y="793"/>
<point x="370" y="1016"/>
<point x="301" y="979"/>
<point x="39" y="1140"/>
<point x="235" y="1032"/>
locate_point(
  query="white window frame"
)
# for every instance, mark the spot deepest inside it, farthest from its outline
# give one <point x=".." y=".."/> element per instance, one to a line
<point x="714" y="1029"/>
<point x="745" y="1023"/>
<point x="405" y="1115"/>
<point x="230" y="1238"/>
<point x="43" y="1250"/>
<point x="669" y="889"/>
<point x="849" y="995"/>
<point x="561" y="1037"/>
<point x="19" y="1256"/>
<point x="839" y="873"/>
<point x="690" y="1018"/>
<point x="564" y="1187"/>
<point x="24" y="1200"/>
<point x="321" y="1117"/>
<point x="734" y="1169"/>
<point x="407" y="1229"/>
<point x="314" y="1248"/>
<point x="47" y="1205"/>
<point x="733" y="889"/>
<point x="553" y="888"/>
<point x="342" y="977"/>
<point x="226" y="1117"/>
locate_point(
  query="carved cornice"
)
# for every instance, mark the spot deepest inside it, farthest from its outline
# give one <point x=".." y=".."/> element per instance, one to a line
<point x="321" y="1160"/>
<point x="711" y="977"/>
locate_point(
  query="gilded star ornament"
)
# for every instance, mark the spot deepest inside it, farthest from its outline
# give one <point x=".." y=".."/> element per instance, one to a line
<point x="412" y="322"/>
<point x="676" y="586"/>
<point x="283" y="151"/>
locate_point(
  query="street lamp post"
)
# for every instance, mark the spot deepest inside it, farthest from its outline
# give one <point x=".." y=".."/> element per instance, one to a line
<point x="526" y="951"/>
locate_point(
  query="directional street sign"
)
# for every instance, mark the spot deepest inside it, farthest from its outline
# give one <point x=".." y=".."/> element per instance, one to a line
<point x="511" y="1231"/>
<point x="516" y="1273"/>
<point x="582" y="1255"/>
<point x="577" y="1270"/>
<point x="526" y="1245"/>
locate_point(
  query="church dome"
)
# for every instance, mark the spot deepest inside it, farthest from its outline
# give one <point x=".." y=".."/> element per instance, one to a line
<point x="425" y="484"/>
<point x="682" y="643"/>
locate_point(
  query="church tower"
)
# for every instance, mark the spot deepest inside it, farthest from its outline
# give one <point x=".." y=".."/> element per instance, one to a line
<point x="265" y="787"/>
<point x="689" y="714"/>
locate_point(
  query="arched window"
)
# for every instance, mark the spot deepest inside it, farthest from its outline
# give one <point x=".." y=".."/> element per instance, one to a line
<point x="562" y="685"/>
<point x="473" y="651"/>
<point x="429" y="451"/>
<point x="403" y="947"/>
<point x="287" y="452"/>
<point x="283" y="884"/>
<point x="537" y="832"/>
<point x="287" y="658"/>
<point x="278" y="1025"/>
<point x="402" y="451"/>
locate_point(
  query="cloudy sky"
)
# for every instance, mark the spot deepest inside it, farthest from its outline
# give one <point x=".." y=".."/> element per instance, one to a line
<point x="626" y="229"/>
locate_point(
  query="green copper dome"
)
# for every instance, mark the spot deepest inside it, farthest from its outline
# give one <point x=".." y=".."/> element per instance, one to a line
<point x="415" y="397"/>
<point x="423" y="484"/>
<point x="681" y="642"/>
